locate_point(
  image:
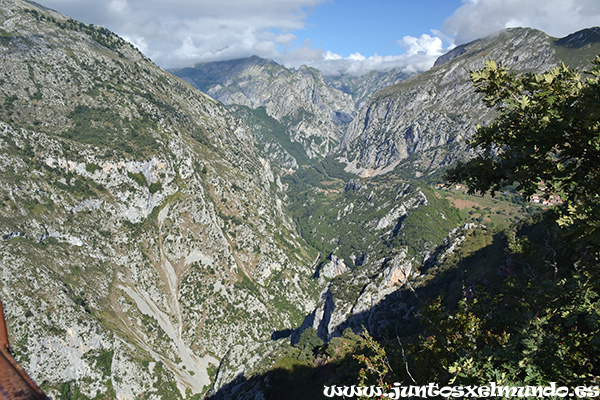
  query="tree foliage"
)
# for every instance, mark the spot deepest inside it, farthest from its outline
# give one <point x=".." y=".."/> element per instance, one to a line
<point x="534" y="322"/>
<point x="534" y="331"/>
<point x="547" y="131"/>
<point x="309" y="341"/>
<point x="544" y="325"/>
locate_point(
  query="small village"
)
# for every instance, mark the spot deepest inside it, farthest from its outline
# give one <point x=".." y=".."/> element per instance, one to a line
<point x="537" y="198"/>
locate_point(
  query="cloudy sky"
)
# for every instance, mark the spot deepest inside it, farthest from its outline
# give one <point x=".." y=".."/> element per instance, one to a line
<point x="351" y="36"/>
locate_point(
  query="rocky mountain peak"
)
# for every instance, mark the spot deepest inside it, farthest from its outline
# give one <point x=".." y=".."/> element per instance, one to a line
<point x="311" y="113"/>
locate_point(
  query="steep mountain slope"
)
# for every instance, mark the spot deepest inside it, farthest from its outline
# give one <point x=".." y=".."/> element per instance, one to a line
<point x="143" y="234"/>
<point x="422" y="123"/>
<point x="313" y="114"/>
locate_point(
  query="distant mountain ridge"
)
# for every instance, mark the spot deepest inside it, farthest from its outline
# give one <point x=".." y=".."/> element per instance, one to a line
<point x="312" y="109"/>
<point x="436" y="109"/>
<point x="421" y="124"/>
<point x="312" y="113"/>
<point x="582" y="38"/>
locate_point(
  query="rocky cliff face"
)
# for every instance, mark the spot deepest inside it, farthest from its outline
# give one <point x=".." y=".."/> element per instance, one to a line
<point x="143" y="232"/>
<point x="361" y="87"/>
<point x="430" y="115"/>
<point x="312" y="113"/>
<point x="372" y="238"/>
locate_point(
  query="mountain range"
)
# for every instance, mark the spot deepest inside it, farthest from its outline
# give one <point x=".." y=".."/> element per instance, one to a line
<point x="394" y="114"/>
<point x="164" y="237"/>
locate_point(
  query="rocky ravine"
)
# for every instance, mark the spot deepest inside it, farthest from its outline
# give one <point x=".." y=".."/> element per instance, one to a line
<point x="361" y="87"/>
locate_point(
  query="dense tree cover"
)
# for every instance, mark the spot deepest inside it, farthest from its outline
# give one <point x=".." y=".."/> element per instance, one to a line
<point x="543" y="326"/>
<point x="536" y="321"/>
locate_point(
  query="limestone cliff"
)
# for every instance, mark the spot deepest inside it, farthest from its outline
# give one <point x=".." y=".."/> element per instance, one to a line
<point x="421" y="124"/>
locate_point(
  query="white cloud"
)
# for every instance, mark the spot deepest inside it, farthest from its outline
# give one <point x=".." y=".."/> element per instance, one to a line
<point x="118" y="6"/>
<point x="425" y="44"/>
<point x="480" y="18"/>
<point x="357" y="57"/>
<point x="329" y="56"/>
<point x="138" y="42"/>
<point x="421" y="59"/>
<point x="182" y="32"/>
<point x="179" y="33"/>
<point x="285" y="39"/>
